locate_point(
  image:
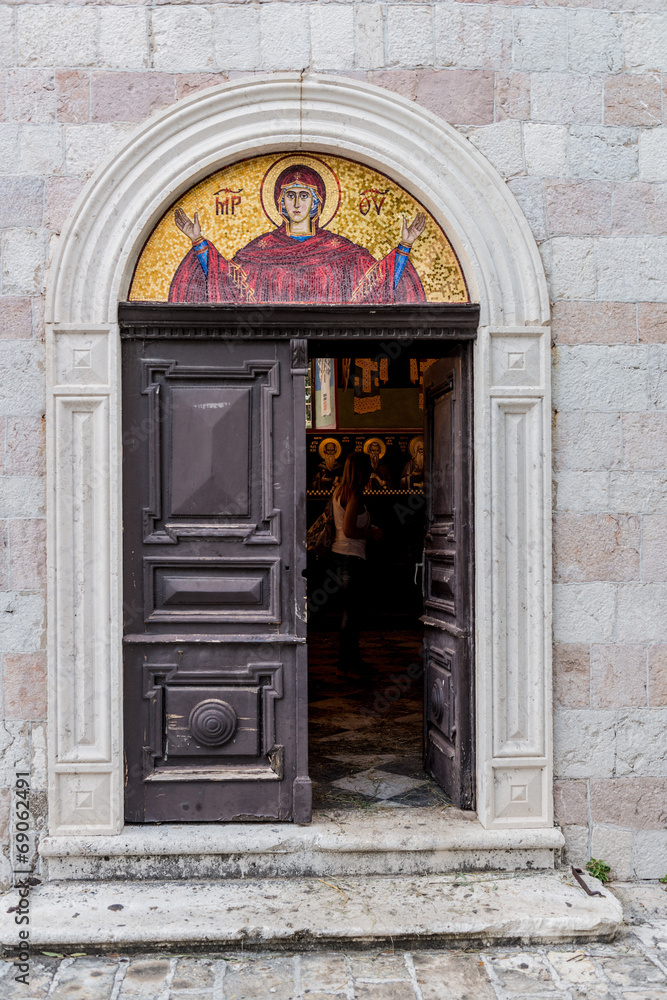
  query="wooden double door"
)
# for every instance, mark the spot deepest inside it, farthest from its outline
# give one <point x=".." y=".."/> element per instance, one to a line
<point x="215" y="642"/>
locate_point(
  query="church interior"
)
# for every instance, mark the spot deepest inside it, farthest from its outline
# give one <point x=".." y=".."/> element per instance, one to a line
<point x="366" y="732"/>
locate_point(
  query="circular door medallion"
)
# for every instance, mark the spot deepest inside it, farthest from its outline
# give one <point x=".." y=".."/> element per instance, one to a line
<point x="437" y="701"/>
<point x="212" y="722"/>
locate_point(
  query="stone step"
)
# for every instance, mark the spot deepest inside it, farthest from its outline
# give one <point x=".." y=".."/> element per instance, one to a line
<point x="348" y="842"/>
<point x="544" y="908"/>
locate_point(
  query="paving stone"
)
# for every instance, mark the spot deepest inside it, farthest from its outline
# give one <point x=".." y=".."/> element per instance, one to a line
<point x="524" y="973"/>
<point x="144" y="979"/>
<point x="42" y="971"/>
<point x="384" y="991"/>
<point x="267" y="979"/>
<point x="194" y="973"/>
<point x="632" y="971"/>
<point x="378" y="966"/>
<point x="86" y="979"/>
<point x="452" y="977"/>
<point x="324" y="973"/>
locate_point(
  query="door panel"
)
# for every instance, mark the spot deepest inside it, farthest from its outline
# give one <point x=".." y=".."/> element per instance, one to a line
<point x="448" y="577"/>
<point x="215" y="664"/>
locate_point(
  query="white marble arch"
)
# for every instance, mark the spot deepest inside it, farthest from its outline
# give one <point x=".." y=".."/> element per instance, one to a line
<point x="91" y="273"/>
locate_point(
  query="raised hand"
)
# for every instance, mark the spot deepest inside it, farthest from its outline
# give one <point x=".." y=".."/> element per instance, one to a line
<point x="191" y="229"/>
<point x="409" y="233"/>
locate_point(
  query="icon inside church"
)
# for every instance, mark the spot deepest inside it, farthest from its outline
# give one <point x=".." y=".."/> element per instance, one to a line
<point x="298" y="228"/>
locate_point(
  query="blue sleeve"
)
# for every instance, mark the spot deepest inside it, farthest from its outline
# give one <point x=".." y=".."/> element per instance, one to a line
<point x="201" y="249"/>
<point x="399" y="262"/>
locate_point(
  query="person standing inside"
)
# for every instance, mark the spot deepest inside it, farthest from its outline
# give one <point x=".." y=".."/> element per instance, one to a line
<point x="353" y="527"/>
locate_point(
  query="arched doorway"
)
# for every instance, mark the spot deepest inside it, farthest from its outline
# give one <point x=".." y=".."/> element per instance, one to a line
<point x="91" y="274"/>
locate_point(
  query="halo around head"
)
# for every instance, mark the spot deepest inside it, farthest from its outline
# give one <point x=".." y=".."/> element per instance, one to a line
<point x="414" y="444"/>
<point x="369" y="441"/>
<point x="329" y="441"/>
<point x="329" y="179"/>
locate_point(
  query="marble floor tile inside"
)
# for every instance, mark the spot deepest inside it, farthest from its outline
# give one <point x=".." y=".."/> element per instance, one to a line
<point x="366" y="739"/>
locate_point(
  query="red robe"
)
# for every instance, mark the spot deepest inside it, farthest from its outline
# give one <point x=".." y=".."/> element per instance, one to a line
<point x="276" y="268"/>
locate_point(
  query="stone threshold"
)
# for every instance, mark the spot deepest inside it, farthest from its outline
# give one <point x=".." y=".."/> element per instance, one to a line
<point x="304" y="914"/>
<point x="378" y="841"/>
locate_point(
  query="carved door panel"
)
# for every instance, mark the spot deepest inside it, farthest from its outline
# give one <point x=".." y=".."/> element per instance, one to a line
<point x="448" y="577"/>
<point x="215" y="672"/>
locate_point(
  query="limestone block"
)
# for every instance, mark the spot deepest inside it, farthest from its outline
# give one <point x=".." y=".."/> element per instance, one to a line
<point x="129" y="97"/>
<point x="584" y="612"/>
<point x="30" y="96"/>
<point x="57" y="36"/>
<point x="575" y="851"/>
<point x="571" y="801"/>
<point x="7" y="37"/>
<point x="614" y="846"/>
<point x="402" y="81"/>
<point x="22" y="622"/>
<point x="584" y="742"/>
<point x="654" y="548"/>
<point x="640" y="208"/>
<point x="639" y="803"/>
<point x="73" y="92"/>
<point x="24" y="447"/>
<point x="501" y="144"/>
<point x="657" y="676"/>
<point x="545" y="149"/>
<point x="571" y="674"/>
<point x="618" y="676"/>
<point x="638" y="492"/>
<point x="22" y="496"/>
<point x="630" y="99"/>
<point x="512" y="96"/>
<point x="579" y="208"/>
<point x="370" y="36"/>
<point x="573" y="267"/>
<point x="182" y="39"/>
<point x="190" y="83"/>
<point x="24" y="685"/>
<point x="60" y="193"/>
<point x="87" y="145"/>
<point x="285" y="36"/>
<point x="602" y="151"/>
<point x="236" y="37"/>
<point x="581" y="491"/>
<point x="529" y="193"/>
<point x="326" y="973"/>
<point x="593" y="323"/>
<point x="645" y="41"/>
<point x="645" y="440"/>
<point x="599" y="377"/>
<point x="472" y="37"/>
<point x="650" y="854"/>
<point x="653" y="154"/>
<point x="27" y="546"/>
<point x="409" y="35"/>
<point x="41" y="149"/>
<point x="123" y="38"/>
<point x="632" y="268"/>
<point x="640" y="742"/>
<point x="587" y="441"/>
<point x="447" y="976"/>
<point x="332" y="36"/>
<point x="564" y="97"/>
<point x="460" y="96"/>
<point x="594" y="42"/>
<point x="657" y="377"/>
<point x="38" y="764"/>
<point x="540" y="39"/>
<point x="21" y="379"/>
<point x="9" y="148"/>
<point x="591" y="547"/>
<point x="24" y="255"/>
<point x="21" y="201"/>
<point x="15" y="317"/>
<point x="642" y="612"/>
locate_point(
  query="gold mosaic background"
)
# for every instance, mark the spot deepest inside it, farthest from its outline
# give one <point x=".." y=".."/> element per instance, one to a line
<point x="432" y="254"/>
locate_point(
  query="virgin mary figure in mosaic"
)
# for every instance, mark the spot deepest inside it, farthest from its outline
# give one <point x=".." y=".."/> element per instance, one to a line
<point x="299" y="260"/>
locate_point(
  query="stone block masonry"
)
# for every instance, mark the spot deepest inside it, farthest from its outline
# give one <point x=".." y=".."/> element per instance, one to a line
<point x="567" y="101"/>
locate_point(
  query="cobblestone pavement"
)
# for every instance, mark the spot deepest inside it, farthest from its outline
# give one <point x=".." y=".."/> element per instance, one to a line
<point x="634" y="967"/>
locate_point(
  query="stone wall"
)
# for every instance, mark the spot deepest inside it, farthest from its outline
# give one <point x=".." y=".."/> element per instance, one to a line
<point x="566" y="100"/>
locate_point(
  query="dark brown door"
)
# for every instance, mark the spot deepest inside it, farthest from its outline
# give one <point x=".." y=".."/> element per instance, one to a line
<point x="215" y="666"/>
<point x="448" y="577"/>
